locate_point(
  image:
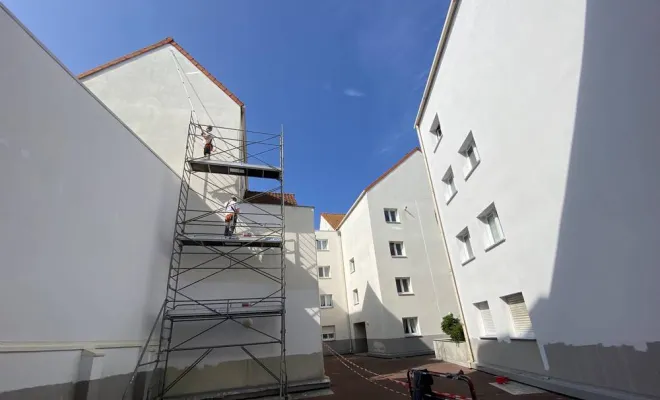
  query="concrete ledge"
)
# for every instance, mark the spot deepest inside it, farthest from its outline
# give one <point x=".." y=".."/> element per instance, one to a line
<point x="572" y="389"/>
<point x="401" y="355"/>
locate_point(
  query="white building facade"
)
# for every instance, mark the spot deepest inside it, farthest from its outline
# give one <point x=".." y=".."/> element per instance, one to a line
<point x="397" y="279"/>
<point x="335" y="325"/>
<point x="110" y="159"/>
<point x="538" y="127"/>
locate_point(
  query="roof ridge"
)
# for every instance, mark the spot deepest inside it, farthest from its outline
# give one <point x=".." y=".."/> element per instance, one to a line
<point x="167" y="40"/>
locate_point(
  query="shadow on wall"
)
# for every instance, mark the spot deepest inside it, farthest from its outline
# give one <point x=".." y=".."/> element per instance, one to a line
<point x="601" y="311"/>
<point x="385" y="335"/>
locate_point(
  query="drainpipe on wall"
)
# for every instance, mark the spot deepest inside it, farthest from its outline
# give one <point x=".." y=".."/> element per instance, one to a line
<point x="444" y="241"/>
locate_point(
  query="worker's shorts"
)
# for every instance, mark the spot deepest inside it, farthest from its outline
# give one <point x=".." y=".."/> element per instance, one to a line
<point x="207" y="149"/>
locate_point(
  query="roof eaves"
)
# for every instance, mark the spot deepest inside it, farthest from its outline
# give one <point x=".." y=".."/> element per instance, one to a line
<point x="154" y="46"/>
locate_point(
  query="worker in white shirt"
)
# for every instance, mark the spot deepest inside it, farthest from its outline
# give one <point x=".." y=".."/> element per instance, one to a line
<point x="231" y="215"/>
<point x="208" y="141"/>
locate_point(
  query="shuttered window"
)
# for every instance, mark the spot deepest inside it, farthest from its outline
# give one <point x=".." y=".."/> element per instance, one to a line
<point x="522" y="324"/>
<point x="328" y="332"/>
<point x="487" y="323"/>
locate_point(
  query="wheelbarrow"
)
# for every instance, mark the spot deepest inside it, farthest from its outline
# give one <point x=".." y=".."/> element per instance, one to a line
<point x="421" y="380"/>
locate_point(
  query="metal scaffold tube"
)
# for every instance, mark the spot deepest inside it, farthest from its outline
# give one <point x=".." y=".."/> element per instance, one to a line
<point x="186" y="316"/>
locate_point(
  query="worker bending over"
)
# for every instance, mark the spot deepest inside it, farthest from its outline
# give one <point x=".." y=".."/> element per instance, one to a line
<point x="231" y="215"/>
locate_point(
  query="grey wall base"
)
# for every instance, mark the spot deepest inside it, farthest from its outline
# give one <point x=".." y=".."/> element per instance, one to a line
<point x="339" y="346"/>
<point x="403" y="346"/>
<point x="585" y="392"/>
<point x="110" y="388"/>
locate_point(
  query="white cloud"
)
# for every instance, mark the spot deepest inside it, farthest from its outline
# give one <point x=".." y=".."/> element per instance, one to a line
<point x="353" y="92"/>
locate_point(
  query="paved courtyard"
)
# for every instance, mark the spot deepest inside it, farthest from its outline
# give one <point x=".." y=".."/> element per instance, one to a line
<point x="365" y="378"/>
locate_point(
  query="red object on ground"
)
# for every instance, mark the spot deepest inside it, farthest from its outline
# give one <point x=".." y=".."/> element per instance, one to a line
<point x="501" y="380"/>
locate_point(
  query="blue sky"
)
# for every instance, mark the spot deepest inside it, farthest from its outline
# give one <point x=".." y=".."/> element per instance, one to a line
<point x="344" y="77"/>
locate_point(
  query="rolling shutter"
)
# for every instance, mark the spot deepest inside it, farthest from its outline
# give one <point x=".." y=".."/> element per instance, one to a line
<point x="522" y="324"/>
<point x="487" y="322"/>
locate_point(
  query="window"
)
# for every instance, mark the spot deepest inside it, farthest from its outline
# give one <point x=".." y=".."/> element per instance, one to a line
<point x="322" y="244"/>
<point x="436" y="129"/>
<point x="326" y="301"/>
<point x="450" y="186"/>
<point x="328" y="333"/>
<point x="396" y="249"/>
<point x="493" y="234"/>
<point x="403" y="286"/>
<point x="324" y="272"/>
<point x="410" y="326"/>
<point x="356" y="297"/>
<point x="469" y="150"/>
<point x="351" y="265"/>
<point x="487" y="324"/>
<point x="391" y="216"/>
<point x="522" y="324"/>
<point x="467" y="254"/>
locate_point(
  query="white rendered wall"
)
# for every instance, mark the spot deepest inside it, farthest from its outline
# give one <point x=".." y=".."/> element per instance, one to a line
<point x="335" y="284"/>
<point x="562" y="98"/>
<point x="425" y="262"/>
<point x="325" y="226"/>
<point x="357" y="244"/>
<point x="85" y="235"/>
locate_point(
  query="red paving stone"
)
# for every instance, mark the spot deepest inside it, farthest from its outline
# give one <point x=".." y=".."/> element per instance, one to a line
<point x="348" y="385"/>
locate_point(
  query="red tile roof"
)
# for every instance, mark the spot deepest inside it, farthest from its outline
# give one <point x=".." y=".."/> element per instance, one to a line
<point x="154" y="46"/>
<point x="333" y="219"/>
<point x="395" y="166"/>
<point x="269" y="198"/>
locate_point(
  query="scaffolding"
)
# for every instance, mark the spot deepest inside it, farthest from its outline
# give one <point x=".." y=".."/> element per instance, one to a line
<point x="202" y="252"/>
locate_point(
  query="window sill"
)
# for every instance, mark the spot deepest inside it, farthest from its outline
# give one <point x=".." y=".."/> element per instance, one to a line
<point x="451" y="197"/>
<point x="488" y="337"/>
<point x="437" y="143"/>
<point x="352" y="272"/>
<point x="326" y="307"/>
<point x="399" y="256"/>
<point x="492" y="246"/>
<point x="356" y="304"/>
<point x="466" y="262"/>
<point x="523" y="338"/>
<point x="324" y="277"/>
<point x="412" y="335"/>
<point x="328" y="340"/>
<point x="406" y="294"/>
<point x="472" y="170"/>
<point x="393" y="222"/>
<point x="322" y="250"/>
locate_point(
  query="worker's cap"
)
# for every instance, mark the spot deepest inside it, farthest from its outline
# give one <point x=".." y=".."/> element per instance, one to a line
<point x="209" y="128"/>
<point x="234" y="198"/>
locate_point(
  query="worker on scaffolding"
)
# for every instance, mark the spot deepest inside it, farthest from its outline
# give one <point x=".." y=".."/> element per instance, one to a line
<point x="208" y="141"/>
<point x="231" y="215"/>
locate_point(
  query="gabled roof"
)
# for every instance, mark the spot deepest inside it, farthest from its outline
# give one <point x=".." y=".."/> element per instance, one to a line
<point x="333" y="219"/>
<point x="154" y="46"/>
<point x="269" y="198"/>
<point x="380" y="178"/>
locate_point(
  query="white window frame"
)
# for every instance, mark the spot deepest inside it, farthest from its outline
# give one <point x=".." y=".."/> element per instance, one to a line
<point x="324" y="299"/>
<point x="411" y="324"/>
<point x="321" y="248"/>
<point x="351" y="265"/>
<point x="490" y="220"/>
<point x="450" y="185"/>
<point x="487" y="323"/>
<point x="399" y="283"/>
<point x="465" y="246"/>
<point x="470" y="163"/>
<point x="388" y="215"/>
<point x="329" y="336"/>
<point x="522" y="324"/>
<point x="324" y="272"/>
<point x="399" y="252"/>
<point x="356" y="297"/>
